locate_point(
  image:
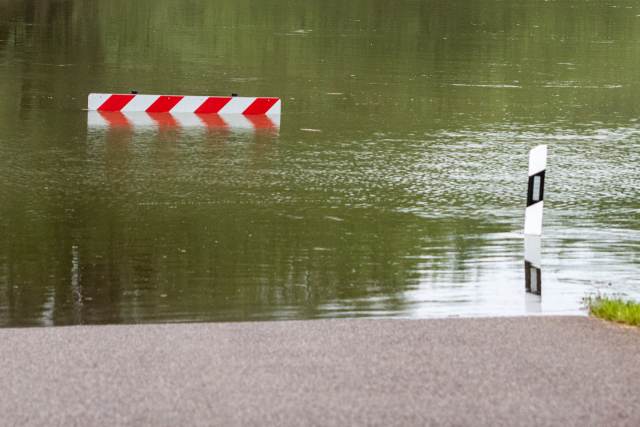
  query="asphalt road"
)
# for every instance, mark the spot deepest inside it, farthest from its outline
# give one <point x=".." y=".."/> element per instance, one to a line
<point x="464" y="372"/>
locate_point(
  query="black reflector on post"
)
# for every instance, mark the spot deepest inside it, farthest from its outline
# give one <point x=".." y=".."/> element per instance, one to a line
<point x="535" y="191"/>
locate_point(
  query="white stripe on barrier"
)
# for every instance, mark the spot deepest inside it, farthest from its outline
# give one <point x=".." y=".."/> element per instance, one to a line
<point x="237" y="106"/>
<point x="96" y="100"/>
<point x="139" y="103"/>
<point x="189" y="104"/>
<point x="275" y="110"/>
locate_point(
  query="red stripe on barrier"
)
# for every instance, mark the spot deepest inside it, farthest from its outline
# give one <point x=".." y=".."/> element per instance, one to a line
<point x="213" y="104"/>
<point x="163" y="104"/>
<point x="260" y="106"/>
<point x="115" y="102"/>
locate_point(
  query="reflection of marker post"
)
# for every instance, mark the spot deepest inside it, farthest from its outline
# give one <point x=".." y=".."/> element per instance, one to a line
<point x="76" y="287"/>
<point x="532" y="270"/>
<point x="533" y="220"/>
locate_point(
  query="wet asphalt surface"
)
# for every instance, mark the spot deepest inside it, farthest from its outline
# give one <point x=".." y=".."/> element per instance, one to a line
<point x="464" y="372"/>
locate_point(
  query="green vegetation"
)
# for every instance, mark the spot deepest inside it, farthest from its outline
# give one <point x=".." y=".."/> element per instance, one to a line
<point x="615" y="309"/>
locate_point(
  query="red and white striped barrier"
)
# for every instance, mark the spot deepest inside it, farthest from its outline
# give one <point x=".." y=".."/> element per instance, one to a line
<point x="142" y="121"/>
<point x="130" y="102"/>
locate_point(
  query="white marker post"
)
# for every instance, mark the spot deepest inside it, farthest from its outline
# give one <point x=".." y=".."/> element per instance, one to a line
<point x="535" y="191"/>
<point x="533" y="220"/>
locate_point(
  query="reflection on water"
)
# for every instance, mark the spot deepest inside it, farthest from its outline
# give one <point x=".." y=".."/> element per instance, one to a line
<point x="394" y="185"/>
<point x="533" y="264"/>
<point x="186" y="121"/>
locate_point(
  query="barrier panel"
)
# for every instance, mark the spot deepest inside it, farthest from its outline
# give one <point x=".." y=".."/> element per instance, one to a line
<point x="133" y="102"/>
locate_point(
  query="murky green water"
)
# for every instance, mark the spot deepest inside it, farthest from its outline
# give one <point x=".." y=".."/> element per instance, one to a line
<point x="394" y="186"/>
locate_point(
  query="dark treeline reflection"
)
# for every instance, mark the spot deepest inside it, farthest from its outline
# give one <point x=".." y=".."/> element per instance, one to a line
<point x="401" y="155"/>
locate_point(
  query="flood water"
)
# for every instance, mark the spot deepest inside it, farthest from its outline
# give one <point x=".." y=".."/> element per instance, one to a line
<point x="393" y="186"/>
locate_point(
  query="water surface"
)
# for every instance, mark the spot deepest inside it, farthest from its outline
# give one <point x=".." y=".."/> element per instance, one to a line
<point x="394" y="185"/>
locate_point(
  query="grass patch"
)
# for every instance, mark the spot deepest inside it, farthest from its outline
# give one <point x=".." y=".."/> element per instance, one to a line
<point x="614" y="309"/>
